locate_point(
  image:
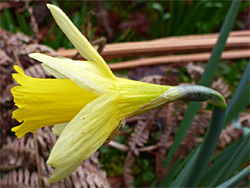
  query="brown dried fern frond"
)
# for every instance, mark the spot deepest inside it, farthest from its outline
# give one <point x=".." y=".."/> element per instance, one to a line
<point x="141" y="132"/>
<point x="25" y="166"/>
<point x="37" y="71"/>
<point x="15" y="49"/>
<point x="195" y="134"/>
<point x="31" y="48"/>
<point x="244" y="119"/>
<point x="229" y="134"/>
<point x="160" y="79"/>
<point x="138" y="138"/>
<point x="221" y="86"/>
<point x="169" y="121"/>
<point x="127" y="171"/>
<point x="5" y="84"/>
<point x="18" y="154"/>
<point x="19" y="178"/>
<point x="195" y="70"/>
<point x="6" y="122"/>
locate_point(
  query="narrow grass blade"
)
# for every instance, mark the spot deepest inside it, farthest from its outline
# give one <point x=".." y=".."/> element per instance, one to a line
<point x="207" y="148"/>
<point x="241" y="97"/>
<point x="236" y="179"/>
<point x="3" y="23"/>
<point x="170" y="22"/>
<point x="9" y="20"/>
<point x="207" y="76"/>
<point x="153" y="20"/>
<point x="83" y="12"/>
<point x="22" y="23"/>
<point x="178" y="11"/>
<point x="190" y="17"/>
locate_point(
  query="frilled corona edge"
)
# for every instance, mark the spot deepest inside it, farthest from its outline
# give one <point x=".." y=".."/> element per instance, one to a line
<point x="45" y="102"/>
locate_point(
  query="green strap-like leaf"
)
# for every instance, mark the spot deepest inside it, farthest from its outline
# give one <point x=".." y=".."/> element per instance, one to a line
<point x="207" y="76"/>
<point x="219" y="161"/>
<point x="183" y="176"/>
<point x="235" y="161"/>
<point x="207" y="148"/>
<point x="241" y="97"/>
<point x="236" y="179"/>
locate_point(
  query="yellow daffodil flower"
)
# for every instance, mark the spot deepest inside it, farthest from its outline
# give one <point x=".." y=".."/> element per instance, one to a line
<point x="86" y="102"/>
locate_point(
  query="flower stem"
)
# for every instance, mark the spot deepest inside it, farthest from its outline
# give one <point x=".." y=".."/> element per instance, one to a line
<point x="201" y="93"/>
<point x="207" y="147"/>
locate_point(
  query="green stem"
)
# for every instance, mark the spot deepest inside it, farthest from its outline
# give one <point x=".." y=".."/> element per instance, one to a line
<point x="201" y="93"/>
<point x="207" y="147"/>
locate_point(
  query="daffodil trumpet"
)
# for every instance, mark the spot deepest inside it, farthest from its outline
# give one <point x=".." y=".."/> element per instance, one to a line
<point x="87" y="102"/>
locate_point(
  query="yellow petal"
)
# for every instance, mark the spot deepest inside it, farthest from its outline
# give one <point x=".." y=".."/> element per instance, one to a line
<point x="84" y="73"/>
<point x="45" y="102"/>
<point x="84" y="135"/>
<point x="78" y="40"/>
